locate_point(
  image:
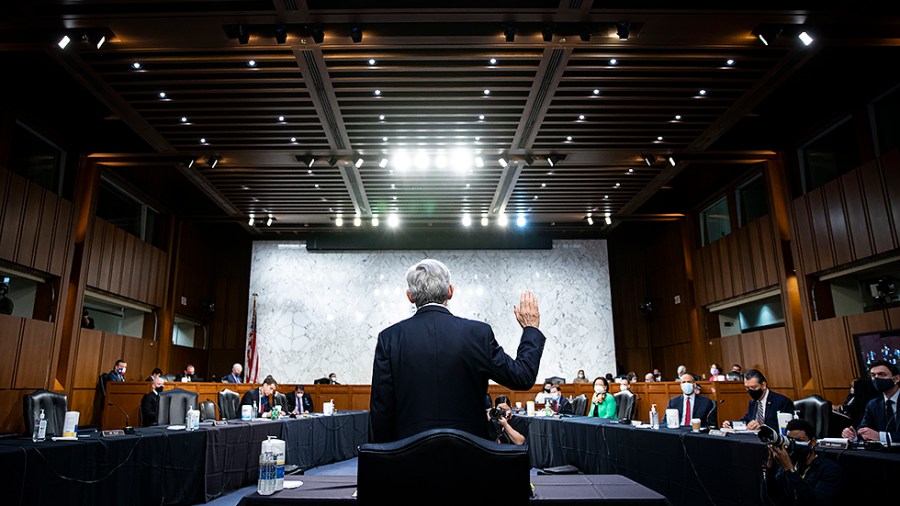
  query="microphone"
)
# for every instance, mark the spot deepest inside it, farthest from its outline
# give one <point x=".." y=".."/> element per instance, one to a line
<point x="720" y="401"/>
<point x="128" y="428"/>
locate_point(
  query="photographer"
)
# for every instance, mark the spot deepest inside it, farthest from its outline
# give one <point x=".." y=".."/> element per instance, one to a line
<point x="802" y="476"/>
<point x="501" y="430"/>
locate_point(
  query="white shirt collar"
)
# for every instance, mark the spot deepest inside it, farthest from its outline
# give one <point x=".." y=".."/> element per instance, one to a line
<point x="893" y="397"/>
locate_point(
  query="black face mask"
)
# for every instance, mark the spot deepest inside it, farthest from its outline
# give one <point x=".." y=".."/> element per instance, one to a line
<point x="883" y="384"/>
<point x="756" y="394"/>
<point x="799" y="451"/>
<point x="159" y="390"/>
<point x="547" y="390"/>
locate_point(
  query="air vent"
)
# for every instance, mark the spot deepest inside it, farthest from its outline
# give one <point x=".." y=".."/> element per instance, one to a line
<point x="540" y="99"/>
<point x="319" y="86"/>
<point x="574" y="4"/>
<point x="290" y="5"/>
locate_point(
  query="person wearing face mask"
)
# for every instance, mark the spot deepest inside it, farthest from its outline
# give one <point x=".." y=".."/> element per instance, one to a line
<point x="603" y="403"/>
<point x="580" y="377"/>
<point x="118" y="372"/>
<point x="879" y="421"/>
<point x="715" y="373"/>
<point x="801" y="477"/>
<point x="764" y="405"/>
<point x="501" y="430"/>
<point x="150" y="402"/>
<point x="558" y="401"/>
<point x="690" y="404"/>
<point x="544" y="395"/>
<point x="625" y="385"/>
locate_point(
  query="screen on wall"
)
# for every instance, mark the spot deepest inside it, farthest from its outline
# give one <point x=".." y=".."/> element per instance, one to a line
<point x="880" y="345"/>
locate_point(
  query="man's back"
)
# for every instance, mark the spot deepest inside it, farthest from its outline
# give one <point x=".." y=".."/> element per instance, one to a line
<point x="432" y="369"/>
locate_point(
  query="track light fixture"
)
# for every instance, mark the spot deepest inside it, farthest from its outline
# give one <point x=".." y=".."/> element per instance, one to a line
<point x="547" y="32"/>
<point x="503" y="161"/>
<point x="332" y="161"/>
<point x="212" y="161"/>
<point x="356" y="34"/>
<point x="252" y="220"/>
<point x="585" y="32"/>
<point x="317" y="33"/>
<point x="671" y="160"/>
<point x="648" y="159"/>
<point x="622" y="30"/>
<point x="280" y="34"/>
<point x="190" y="162"/>
<point x="554" y="160"/>
<point x="270" y="220"/>
<point x="243" y="34"/>
<point x="529" y="160"/>
<point x="510" y="32"/>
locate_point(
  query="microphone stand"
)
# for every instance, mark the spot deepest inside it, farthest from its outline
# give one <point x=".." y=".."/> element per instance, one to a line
<point x="708" y="415"/>
<point x="128" y="428"/>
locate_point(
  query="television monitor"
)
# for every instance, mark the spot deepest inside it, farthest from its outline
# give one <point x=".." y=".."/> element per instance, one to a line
<point x="878" y="345"/>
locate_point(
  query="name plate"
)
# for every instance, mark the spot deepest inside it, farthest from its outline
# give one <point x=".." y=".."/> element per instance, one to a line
<point x="114" y="432"/>
<point x="220" y="422"/>
<point x="717" y="432"/>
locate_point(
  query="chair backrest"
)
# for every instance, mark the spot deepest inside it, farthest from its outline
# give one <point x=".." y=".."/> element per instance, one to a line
<point x="733" y="376"/>
<point x="554" y="380"/>
<point x="447" y="463"/>
<point x="207" y="410"/>
<point x="281" y="400"/>
<point x="169" y="377"/>
<point x="816" y="411"/>
<point x="101" y="382"/>
<point x="579" y="405"/>
<point x="54" y="405"/>
<point x="229" y="403"/>
<point x="173" y="405"/>
<point x="322" y="381"/>
<point x="624" y="405"/>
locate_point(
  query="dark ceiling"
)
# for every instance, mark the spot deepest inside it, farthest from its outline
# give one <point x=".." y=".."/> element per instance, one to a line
<point x="417" y="83"/>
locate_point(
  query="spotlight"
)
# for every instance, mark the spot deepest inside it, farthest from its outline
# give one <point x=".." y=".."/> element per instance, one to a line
<point x="502" y="161"/>
<point x="213" y="161"/>
<point x="374" y="220"/>
<point x="648" y="159"/>
<point x="590" y="220"/>
<point x="608" y="220"/>
<point x="339" y="221"/>
<point x="502" y="220"/>
<point x="554" y="160"/>
<point x="804" y="36"/>
<point x="521" y="221"/>
<point x="383" y="163"/>
<point x="671" y="160"/>
<point x="63" y="41"/>
<point x="767" y="33"/>
<point x="622" y="30"/>
<point x="466" y="220"/>
<point x="190" y="162"/>
<point x="357" y="221"/>
<point x="484" y="220"/>
<point x="359" y="162"/>
<point x="393" y="221"/>
<point x="547" y="32"/>
<point x="529" y="160"/>
<point x="510" y="32"/>
<point x="585" y="33"/>
<point x="269" y="221"/>
<point x="356" y="34"/>
<point x="243" y="34"/>
<point x="252" y="219"/>
<point x="280" y="34"/>
<point x="317" y="33"/>
<point x="332" y="161"/>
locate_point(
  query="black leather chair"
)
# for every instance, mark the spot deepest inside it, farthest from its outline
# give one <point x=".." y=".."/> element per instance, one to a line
<point x="54" y="405"/>
<point x="448" y="464"/>
<point x="554" y="380"/>
<point x="281" y="400"/>
<point x="579" y="405"/>
<point x="734" y="376"/>
<point x="229" y="405"/>
<point x="101" y="383"/>
<point x="207" y="410"/>
<point x="625" y="405"/>
<point x="816" y="411"/>
<point x="169" y="377"/>
<point x="173" y="405"/>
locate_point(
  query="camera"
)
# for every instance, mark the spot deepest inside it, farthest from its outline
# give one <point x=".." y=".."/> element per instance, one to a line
<point x="497" y="413"/>
<point x="773" y="437"/>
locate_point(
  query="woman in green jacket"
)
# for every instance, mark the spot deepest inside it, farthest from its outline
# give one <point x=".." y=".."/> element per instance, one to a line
<point x="603" y="404"/>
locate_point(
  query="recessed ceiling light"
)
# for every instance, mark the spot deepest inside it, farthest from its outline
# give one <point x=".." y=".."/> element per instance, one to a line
<point x="371" y="61"/>
<point x="63" y="42"/>
<point x="136" y="65"/>
<point x="467" y="185"/>
<point x="374" y="220"/>
<point x="493" y="61"/>
<point x="251" y="63"/>
<point x="466" y="220"/>
<point x="484" y="221"/>
<point x="317" y="186"/>
<point x="520" y="221"/>
<point x="309" y="171"/>
<point x="245" y="187"/>
<point x="393" y="221"/>
<point x="702" y="92"/>
<point x="481" y="117"/>
<point x="184" y="119"/>
<point x="618" y="185"/>
<point x="384" y="139"/>
<point x="162" y="94"/>
<point x="581" y="117"/>
<point x="339" y="221"/>
<point x="535" y="197"/>
<point x="377" y="93"/>
<point x="281" y="119"/>
<point x="203" y="140"/>
<point x="596" y="91"/>
<point x="487" y="92"/>
<point x="659" y="138"/>
<point x="677" y="117"/>
<point x="606" y="197"/>
<point x="729" y="62"/>
<point x="543" y="185"/>
<point x="357" y="221"/>
<point x="381" y="118"/>
<point x="569" y="138"/>
<point x="631" y="171"/>
<point x="393" y="186"/>
<point x="613" y="61"/>
<point x="294" y="140"/>
<point x="502" y="220"/>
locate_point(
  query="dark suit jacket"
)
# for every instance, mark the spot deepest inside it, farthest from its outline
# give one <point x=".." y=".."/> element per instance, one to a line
<point x="114" y="376"/>
<point x="230" y="378"/>
<point x="432" y="371"/>
<point x="194" y="378"/>
<point x="874" y="418"/>
<point x="774" y="403"/>
<point x="292" y="402"/>
<point x="700" y="408"/>
<point x="149" y="409"/>
<point x="565" y="407"/>
<point x="252" y="396"/>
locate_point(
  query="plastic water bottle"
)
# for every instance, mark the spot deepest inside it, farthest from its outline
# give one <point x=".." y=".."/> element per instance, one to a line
<point x="654" y="417"/>
<point x="255" y="410"/>
<point x="40" y="428"/>
<point x="266" y="483"/>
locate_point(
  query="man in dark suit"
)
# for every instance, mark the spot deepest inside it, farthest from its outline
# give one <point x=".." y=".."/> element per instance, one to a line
<point x="299" y="401"/>
<point x="432" y="370"/>
<point x="700" y="407"/>
<point x="879" y="421"/>
<point x="188" y="375"/>
<point x="764" y="405"/>
<point x="259" y="397"/>
<point x="235" y="375"/>
<point x="150" y="402"/>
<point x="118" y="372"/>
<point x="558" y="401"/>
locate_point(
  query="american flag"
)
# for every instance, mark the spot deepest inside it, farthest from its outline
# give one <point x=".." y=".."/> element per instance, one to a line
<point x="252" y="366"/>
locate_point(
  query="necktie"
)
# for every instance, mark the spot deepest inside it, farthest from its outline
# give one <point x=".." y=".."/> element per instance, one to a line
<point x="687" y="412"/>
<point x="889" y="415"/>
<point x="760" y="416"/>
<point x="300" y="403"/>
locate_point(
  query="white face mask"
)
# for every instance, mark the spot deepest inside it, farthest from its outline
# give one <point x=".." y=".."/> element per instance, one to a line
<point x="599" y="389"/>
<point x="623" y="387"/>
<point x="687" y="388"/>
<point x="555" y="397"/>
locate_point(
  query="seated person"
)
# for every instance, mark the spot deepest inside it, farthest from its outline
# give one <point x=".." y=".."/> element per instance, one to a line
<point x="862" y="390"/>
<point x="235" y="376"/>
<point x="155" y="373"/>
<point x="580" y="377"/>
<point x="624" y="385"/>
<point x="765" y="403"/>
<point x="879" y="422"/>
<point x="299" y="401"/>
<point x="657" y="375"/>
<point x="118" y="372"/>
<point x="188" y="375"/>
<point x="150" y="402"/>
<point x="690" y="404"/>
<point x="802" y="476"/>
<point x="715" y="373"/>
<point x="543" y="395"/>
<point x="558" y="401"/>
<point x="501" y="430"/>
<point x="649" y="378"/>
<point x="259" y="397"/>
<point x="603" y="403"/>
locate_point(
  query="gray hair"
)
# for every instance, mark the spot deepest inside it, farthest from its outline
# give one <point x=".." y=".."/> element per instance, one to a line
<point x="429" y="281"/>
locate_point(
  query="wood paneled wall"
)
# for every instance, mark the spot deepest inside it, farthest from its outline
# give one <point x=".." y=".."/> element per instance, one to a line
<point x="122" y="264"/>
<point x="765" y="350"/>
<point x="739" y="263"/>
<point x="25" y="360"/>
<point x="34" y="225"/>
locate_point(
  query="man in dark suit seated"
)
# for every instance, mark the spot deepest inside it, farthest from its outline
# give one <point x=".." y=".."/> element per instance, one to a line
<point x="188" y="375"/>
<point x="558" y="401"/>
<point x="432" y="369"/>
<point x="150" y="402"/>
<point x="118" y="372"/>
<point x="879" y="422"/>
<point x="802" y="476"/>
<point x="234" y="376"/>
<point x="299" y="401"/>
<point x="259" y="397"/>
<point x="700" y="407"/>
<point x="765" y="404"/>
